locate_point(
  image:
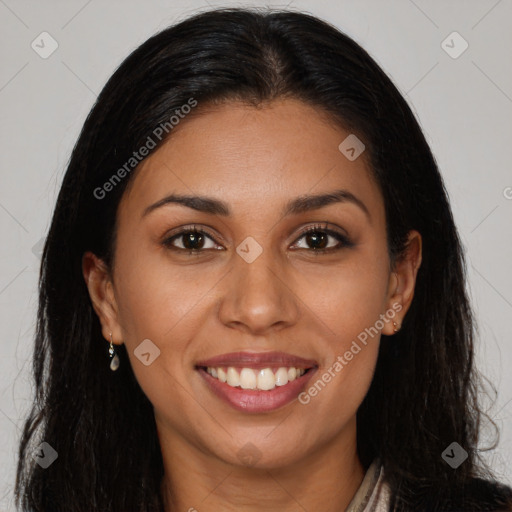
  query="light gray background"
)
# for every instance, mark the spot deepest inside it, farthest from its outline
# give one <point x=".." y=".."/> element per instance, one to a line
<point x="464" y="106"/>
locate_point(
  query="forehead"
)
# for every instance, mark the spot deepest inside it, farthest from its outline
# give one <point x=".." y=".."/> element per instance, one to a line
<point x="251" y="156"/>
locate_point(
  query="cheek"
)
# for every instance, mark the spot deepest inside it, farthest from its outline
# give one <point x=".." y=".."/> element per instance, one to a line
<point x="348" y="297"/>
<point x="155" y="304"/>
<point x="155" y="296"/>
<point x="349" y="358"/>
<point x="155" y="307"/>
<point x="350" y="300"/>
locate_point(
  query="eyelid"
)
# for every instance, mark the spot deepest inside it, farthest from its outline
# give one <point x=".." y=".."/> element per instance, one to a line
<point x="323" y="226"/>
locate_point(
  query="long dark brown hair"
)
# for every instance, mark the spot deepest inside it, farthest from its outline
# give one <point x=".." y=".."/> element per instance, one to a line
<point x="424" y="393"/>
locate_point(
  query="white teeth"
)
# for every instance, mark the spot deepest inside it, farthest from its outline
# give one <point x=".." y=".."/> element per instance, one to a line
<point x="221" y="374"/>
<point x="266" y="379"/>
<point x="233" y="379"/>
<point x="247" y="379"/>
<point x="263" y="379"/>
<point x="281" y="377"/>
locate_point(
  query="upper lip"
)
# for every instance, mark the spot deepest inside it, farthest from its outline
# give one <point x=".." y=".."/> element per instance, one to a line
<point x="258" y="360"/>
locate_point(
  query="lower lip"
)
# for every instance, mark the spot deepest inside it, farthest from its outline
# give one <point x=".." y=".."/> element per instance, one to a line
<point x="255" y="400"/>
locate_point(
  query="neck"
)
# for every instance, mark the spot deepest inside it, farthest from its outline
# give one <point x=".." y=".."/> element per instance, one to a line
<point x="325" y="479"/>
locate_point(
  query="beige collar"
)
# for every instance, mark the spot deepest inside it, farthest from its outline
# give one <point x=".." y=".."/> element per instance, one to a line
<point x="373" y="493"/>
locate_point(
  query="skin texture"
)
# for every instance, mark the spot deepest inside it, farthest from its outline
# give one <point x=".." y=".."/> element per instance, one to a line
<point x="197" y="306"/>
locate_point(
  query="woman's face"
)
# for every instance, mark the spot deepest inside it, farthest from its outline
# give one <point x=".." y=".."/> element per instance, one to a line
<point x="255" y="283"/>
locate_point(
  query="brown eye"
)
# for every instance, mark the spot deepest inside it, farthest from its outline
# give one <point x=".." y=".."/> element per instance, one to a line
<point x="319" y="240"/>
<point x="191" y="240"/>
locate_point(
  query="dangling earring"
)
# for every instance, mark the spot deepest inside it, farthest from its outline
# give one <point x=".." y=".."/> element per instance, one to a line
<point x="396" y="327"/>
<point x="114" y="358"/>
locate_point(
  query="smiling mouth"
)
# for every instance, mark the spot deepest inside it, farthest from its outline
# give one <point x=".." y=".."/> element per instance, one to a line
<point x="259" y="379"/>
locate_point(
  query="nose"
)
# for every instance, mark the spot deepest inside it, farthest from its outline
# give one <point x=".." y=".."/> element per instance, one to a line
<point x="259" y="297"/>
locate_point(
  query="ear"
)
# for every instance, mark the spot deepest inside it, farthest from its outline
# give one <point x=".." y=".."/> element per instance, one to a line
<point x="402" y="282"/>
<point x="101" y="291"/>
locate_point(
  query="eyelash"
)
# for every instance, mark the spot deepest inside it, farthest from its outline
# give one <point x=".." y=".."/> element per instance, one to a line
<point x="343" y="240"/>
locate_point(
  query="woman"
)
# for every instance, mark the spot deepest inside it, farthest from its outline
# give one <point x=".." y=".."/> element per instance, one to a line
<point x="255" y="224"/>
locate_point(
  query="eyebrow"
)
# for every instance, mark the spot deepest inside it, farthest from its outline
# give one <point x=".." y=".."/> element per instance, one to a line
<point x="298" y="205"/>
